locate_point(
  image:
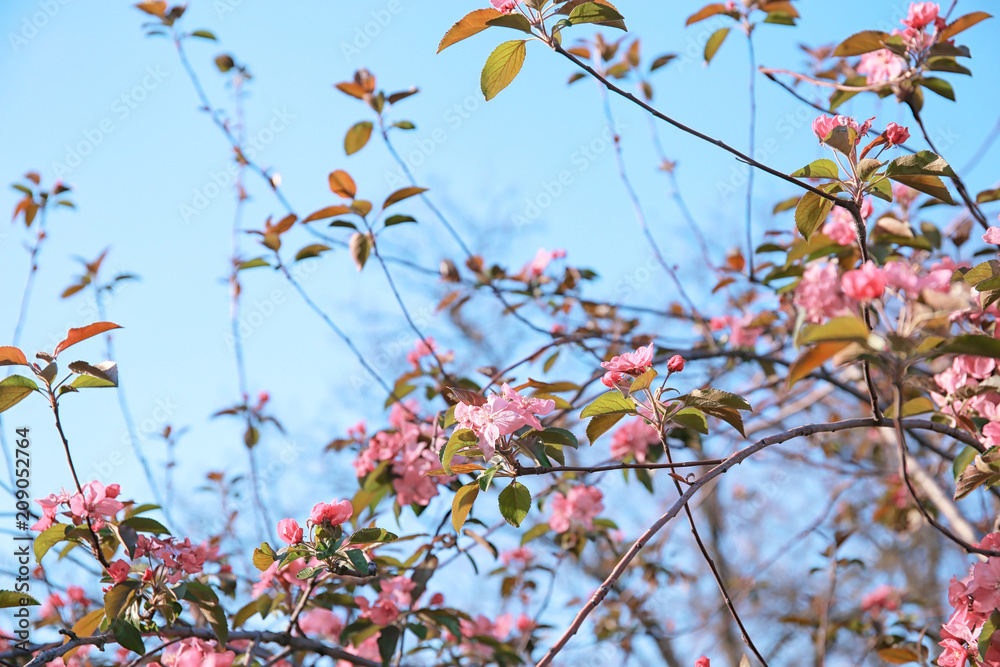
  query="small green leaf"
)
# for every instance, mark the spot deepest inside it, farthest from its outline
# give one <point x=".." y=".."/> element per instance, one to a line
<point x="357" y="137"/>
<point x="127" y="636"/>
<point x="609" y="403"/>
<point x="459" y="440"/>
<point x="501" y="67"/>
<point x="398" y="220"/>
<point x="819" y="169"/>
<point x="860" y="43"/>
<point x="714" y="42"/>
<point x="600" y="425"/>
<point x="848" y="327"/>
<point x="358" y="560"/>
<point x="810" y="213"/>
<point x="515" y="501"/>
<point x="49" y="537"/>
<point x="924" y="162"/>
<point x="13" y="390"/>
<point x="14" y="599"/>
<point x="204" y="34"/>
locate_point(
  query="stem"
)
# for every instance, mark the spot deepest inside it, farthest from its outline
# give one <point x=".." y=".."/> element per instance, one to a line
<point x="753" y="137"/>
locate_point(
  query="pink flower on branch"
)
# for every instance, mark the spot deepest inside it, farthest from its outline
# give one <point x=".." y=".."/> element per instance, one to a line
<point x="864" y="284"/>
<point x="504" y="6"/>
<point x="881" y="65"/>
<point x="921" y="15"/>
<point x="289" y="531"/>
<point x="896" y="134"/>
<point x="332" y="514"/>
<point x="578" y="507"/>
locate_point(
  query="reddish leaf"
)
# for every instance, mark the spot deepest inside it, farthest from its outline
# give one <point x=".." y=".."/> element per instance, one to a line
<point x="473" y="22"/>
<point x="401" y="194"/>
<point x="74" y="336"/>
<point x="328" y="212"/>
<point x="11" y="356"/>
<point x="342" y="185"/>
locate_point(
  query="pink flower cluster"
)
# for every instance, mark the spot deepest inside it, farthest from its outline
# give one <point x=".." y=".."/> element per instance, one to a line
<point x="579" y="507"/>
<point x="501" y="415"/>
<point x="194" y="652"/>
<point x="505" y="6"/>
<point x="321" y="623"/>
<point x="326" y="514"/>
<point x="920" y="16"/>
<point x="283" y="576"/>
<point x="863" y="284"/>
<point x="840" y="225"/>
<point x="881" y="598"/>
<point x="974" y="598"/>
<point x="823" y="125"/>
<point x="484" y="627"/>
<point x="411" y="445"/>
<point x="629" y="364"/>
<point x="634" y="438"/>
<point x="97" y="503"/>
<point x="819" y="293"/>
<point x="178" y="557"/>
<point x="395" y="594"/>
<point x="881" y="65"/>
<point x="968" y="371"/>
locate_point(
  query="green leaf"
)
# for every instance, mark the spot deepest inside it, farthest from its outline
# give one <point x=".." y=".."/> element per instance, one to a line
<point x="810" y="213"/>
<point x="643" y="381"/>
<point x="145" y="525"/>
<point x="608" y="404"/>
<point x="472" y="23"/>
<point x="398" y="220"/>
<point x="387" y="640"/>
<point x="486" y="477"/>
<point x="924" y="162"/>
<point x="14" y="599"/>
<point x="262" y="560"/>
<point x="865" y="41"/>
<point x="501" y="67"/>
<point x="600" y="424"/>
<point x="13" y="390"/>
<point x="48" y="538"/>
<point x="592" y="12"/>
<point x="127" y="636"/>
<point x="981" y="346"/>
<point x="462" y="505"/>
<point x="372" y="536"/>
<point x="714" y="42"/>
<point x="819" y="169"/>
<point x="848" y="327"/>
<point x="116" y="600"/>
<point x="558" y="436"/>
<point x="204" y="34"/>
<point x="963" y="460"/>
<point x="691" y="418"/>
<point x="358" y="560"/>
<point x="939" y="86"/>
<point x="310" y="251"/>
<point x="515" y="501"/>
<point x="929" y="185"/>
<point x="401" y="194"/>
<point x="723" y="398"/>
<point x="513" y="20"/>
<point x="88" y="381"/>
<point x="914" y="406"/>
<point x="459" y="440"/>
<point x="867" y="167"/>
<point x="534" y="533"/>
<point x="838" y="97"/>
<point x="357" y="137"/>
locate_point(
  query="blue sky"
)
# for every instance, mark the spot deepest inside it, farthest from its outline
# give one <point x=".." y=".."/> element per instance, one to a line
<point x="74" y="75"/>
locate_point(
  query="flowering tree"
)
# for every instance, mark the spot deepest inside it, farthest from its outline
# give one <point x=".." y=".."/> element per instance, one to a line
<point x="854" y="350"/>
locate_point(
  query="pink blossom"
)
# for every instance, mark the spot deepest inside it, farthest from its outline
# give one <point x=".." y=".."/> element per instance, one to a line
<point x="823" y="125"/>
<point x="118" y="571"/>
<point x="77" y="595"/>
<point x="902" y="277"/>
<point x="504" y="6"/>
<point x="637" y="362"/>
<point x="865" y="283"/>
<point x="991" y="434"/>
<point x="50" y="504"/>
<point x="741" y="334"/>
<point x="422" y="349"/>
<point x="524" y="623"/>
<point x="974" y="366"/>
<point x="921" y="15"/>
<point x="321" y="622"/>
<point x="399" y="590"/>
<point x="51" y="604"/>
<point x="332" y="514"/>
<point x="883" y="597"/>
<point x="881" y="65"/>
<point x="579" y="507"/>
<point x="840" y="226"/>
<point x="986" y="585"/>
<point x="368" y="649"/>
<point x="285" y="576"/>
<point x="289" y="531"/>
<point x="702" y="662"/>
<point x="412" y="485"/>
<point x="543" y="257"/>
<point x="634" y="437"/>
<point x="490" y="421"/>
<point x="819" y="293"/>
<point x="194" y="652"/>
<point x="96" y="502"/>
<point x="527" y="407"/>
<point x="675" y="364"/>
<point x="520" y="555"/>
<point x="382" y="612"/>
<point x="992" y="235"/>
<point x="955" y="654"/>
<point x="895" y="134"/>
<point x="904" y="195"/>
